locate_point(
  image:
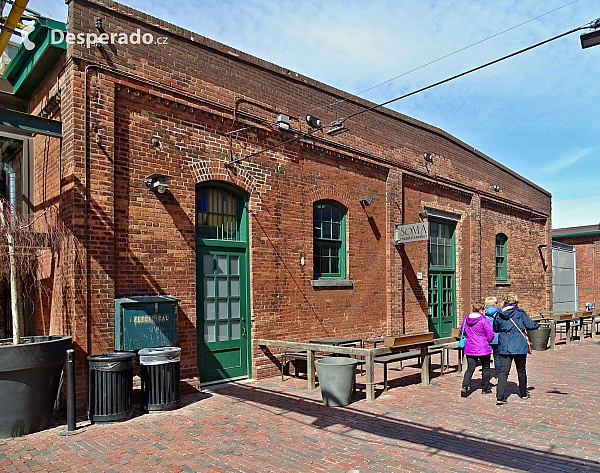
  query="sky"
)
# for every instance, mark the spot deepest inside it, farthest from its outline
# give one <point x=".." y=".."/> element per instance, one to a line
<point x="536" y="113"/>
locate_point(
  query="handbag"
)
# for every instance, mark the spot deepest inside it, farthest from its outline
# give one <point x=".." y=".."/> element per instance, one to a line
<point x="463" y="340"/>
<point x="528" y="344"/>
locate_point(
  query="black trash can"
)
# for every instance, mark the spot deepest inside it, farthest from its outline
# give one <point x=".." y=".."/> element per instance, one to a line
<point x="110" y="387"/>
<point x="160" y="378"/>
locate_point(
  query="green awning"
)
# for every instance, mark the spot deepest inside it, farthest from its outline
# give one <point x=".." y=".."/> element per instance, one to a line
<point x="30" y="67"/>
<point x="29" y="124"/>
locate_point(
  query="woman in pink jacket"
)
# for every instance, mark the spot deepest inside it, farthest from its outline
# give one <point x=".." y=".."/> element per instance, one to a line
<point x="478" y="333"/>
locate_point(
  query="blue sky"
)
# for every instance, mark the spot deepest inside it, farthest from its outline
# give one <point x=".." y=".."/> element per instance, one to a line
<point x="536" y="113"/>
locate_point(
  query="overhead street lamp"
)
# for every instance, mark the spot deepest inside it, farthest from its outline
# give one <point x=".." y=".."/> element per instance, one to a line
<point x="593" y="37"/>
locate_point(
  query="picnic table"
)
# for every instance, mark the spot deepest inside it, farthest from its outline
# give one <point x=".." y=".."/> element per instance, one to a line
<point x="369" y="355"/>
<point x="555" y="318"/>
<point x="337" y="342"/>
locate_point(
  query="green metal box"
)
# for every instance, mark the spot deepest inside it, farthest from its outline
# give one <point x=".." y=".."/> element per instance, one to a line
<point x="145" y="322"/>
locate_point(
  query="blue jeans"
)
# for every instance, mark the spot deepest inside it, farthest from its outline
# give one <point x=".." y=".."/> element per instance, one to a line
<point x="496" y="360"/>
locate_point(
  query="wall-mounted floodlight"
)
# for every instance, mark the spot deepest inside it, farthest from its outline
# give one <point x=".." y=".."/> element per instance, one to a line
<point x="496" y="188"/>
<point x="157" y="182"/>
<point x="336" y="128"/>
<point x="283" y="122"/>
<point x="428" y="157"/>
<point x="98" y="23"/>
<point x="423" y="213"/>
<point x="312" y="121"/>
<point x="367" y="200"/>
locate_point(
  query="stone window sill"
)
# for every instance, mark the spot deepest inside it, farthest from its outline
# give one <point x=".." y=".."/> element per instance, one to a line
<point x="502" y="283"/>
<point x="332" y="283"/>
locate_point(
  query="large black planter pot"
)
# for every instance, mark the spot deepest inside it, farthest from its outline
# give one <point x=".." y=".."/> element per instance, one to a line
<point x="29" y="377"/>
<point x="539" y="338"/>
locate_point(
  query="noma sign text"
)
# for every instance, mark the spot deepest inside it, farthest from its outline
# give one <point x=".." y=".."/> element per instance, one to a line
<point x="410" y="232"/>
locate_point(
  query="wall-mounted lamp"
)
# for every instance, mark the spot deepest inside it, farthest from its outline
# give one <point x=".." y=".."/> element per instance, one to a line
<point x="541" y="248"/>
<point x="367" y="200"/>
<point x="312" y="121"/>
<point x="336" y="128"/>
<point x="283" y="122"/>
<point x="157" y="182"/>
<point x="428" y="157"/>
<point x="155" y="141"/>
<point x="496" y="188"/>
<point x="423" y="213"/>
<point x="98" y="23"/>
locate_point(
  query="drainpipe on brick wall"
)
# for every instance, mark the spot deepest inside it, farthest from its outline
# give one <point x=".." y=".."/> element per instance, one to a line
<point x="11" y="181"/>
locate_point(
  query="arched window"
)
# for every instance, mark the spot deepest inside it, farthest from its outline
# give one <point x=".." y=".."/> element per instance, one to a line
<point x="329" y="240"/>
<point x="501" y="244"/>
<point x="219" y="213"/>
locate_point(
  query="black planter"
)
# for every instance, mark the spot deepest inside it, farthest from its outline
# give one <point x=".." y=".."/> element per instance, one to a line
<point x="539" y="338"/>
<point x="29" y="377"/>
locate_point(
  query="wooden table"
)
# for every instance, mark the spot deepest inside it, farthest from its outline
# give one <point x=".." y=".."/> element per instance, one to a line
<point x="374" y="341"/>
<point x="337" y="342"/>
<point x="582" y="316"/>
<point x="368" y="353"/>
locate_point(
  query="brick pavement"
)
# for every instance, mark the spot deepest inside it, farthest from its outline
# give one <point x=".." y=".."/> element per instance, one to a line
<point x="275" y="426"/>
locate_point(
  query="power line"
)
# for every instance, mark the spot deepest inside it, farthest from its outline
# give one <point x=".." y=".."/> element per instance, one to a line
<point x="462" y="74"/>
<point x="337" y="102"/>
<point x="338" y="123"/>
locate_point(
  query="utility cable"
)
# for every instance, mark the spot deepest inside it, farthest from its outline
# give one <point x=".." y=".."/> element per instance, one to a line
<point x="452" y="53"/>
<point x="508" y="56"/>
<point x="339" y="122"/>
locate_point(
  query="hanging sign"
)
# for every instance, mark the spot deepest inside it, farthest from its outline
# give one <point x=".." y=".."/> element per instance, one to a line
<point x="410" y="232"/>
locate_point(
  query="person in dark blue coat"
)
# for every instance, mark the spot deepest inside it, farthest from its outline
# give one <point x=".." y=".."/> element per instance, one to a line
<point x="510" y="324"/>
<point x="490" y="313"/>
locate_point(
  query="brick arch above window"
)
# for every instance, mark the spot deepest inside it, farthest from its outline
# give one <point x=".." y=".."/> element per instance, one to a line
<point x="204" y="171"/>
<point x="332" y="193"/>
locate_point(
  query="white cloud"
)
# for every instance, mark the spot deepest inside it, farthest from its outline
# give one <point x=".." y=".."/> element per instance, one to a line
<point x="568" y="160"/>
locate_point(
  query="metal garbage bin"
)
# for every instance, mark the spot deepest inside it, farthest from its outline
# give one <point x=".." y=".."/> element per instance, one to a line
<point x="110" y="386"/>
<point x="539" y="337"/>
<point x="336" y="379"/>
<point x="160" y="378"/>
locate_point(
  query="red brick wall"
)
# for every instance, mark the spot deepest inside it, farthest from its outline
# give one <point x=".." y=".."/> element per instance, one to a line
<point x="587" y="267"/>
<point x="526" y="273"/>
<point x="190" y="95"/>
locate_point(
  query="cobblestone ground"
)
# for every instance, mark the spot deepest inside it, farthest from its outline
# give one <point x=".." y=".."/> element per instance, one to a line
<point x="275" y="426"/>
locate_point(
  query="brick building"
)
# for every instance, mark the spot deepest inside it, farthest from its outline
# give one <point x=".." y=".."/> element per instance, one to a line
<point x="586" y="242"/>
<point x="293" y="243"/>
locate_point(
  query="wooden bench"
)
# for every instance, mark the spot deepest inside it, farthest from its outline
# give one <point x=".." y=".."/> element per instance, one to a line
<point x="393" y="357"/>
<point x="293" y="356"/>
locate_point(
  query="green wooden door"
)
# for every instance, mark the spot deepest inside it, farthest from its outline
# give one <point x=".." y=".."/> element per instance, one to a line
<point x="223" y="327"/>
<point x="442" y="278"/>
<point x="222" y="282"/>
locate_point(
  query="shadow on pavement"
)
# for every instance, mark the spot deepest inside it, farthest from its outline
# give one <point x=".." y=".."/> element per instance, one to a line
<point x="453" y="443"/>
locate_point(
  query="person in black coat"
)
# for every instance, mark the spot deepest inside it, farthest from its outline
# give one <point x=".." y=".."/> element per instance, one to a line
<point x="510" y="324"/>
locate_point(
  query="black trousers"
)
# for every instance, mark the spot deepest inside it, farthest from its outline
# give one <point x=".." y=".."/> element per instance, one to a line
<point x="485" y="366"/>
<point x="505" y="364"/>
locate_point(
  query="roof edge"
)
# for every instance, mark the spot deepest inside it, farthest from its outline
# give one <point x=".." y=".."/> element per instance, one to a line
<point x="198" y="39"/>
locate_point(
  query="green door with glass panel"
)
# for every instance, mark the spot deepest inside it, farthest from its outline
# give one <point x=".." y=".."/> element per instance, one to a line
<point x="222" y="283"/>
<point x="442" y="278"/>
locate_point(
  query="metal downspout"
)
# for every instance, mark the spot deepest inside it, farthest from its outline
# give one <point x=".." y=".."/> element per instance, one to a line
<point x="14" y="17"/>
<point x="12" y="186"/>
